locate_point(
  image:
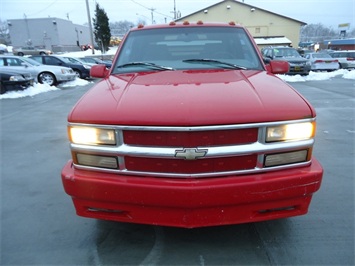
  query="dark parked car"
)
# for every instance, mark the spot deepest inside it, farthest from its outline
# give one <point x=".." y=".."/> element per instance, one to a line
<point x="94" y="60"/>
<point x="12" y="80"/>
<point x="298" y="64"/>
<point x="82" y="71"/>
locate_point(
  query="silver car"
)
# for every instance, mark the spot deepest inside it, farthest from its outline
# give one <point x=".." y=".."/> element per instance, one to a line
<point x="322" y="61"/>
<point x="46" y="74"/>
<point x="29" y="50"/>
<point x="346" y="58"/>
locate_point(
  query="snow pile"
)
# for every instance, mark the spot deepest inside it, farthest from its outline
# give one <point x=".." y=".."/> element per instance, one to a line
<point x="38" y="88"/>
<point x="314" y="76"/>
<point x="88" y="52"/>
<point x="349" y="75"/>
<point x="76" y="82"/>
<point x="31" y="91"/>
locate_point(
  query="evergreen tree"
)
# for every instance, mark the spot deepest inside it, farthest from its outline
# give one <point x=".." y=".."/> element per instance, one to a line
<point x="102" y="30"/>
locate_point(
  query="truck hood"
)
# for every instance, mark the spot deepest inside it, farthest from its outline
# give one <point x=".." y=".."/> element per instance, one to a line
<point x="190" y="98"/>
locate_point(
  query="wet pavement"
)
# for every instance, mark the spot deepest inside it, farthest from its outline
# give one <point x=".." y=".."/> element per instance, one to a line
<point x="39" y="225"/>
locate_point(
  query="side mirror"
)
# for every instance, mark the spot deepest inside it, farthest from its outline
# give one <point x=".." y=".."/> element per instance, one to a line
<point x="278" y="67"/>
<point x="98" y="71"/>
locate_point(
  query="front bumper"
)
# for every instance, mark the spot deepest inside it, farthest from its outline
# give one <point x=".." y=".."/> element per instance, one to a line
<point x="299" y="69"/>
<point x="66" y="77"/>
<point x="192" y="203"/>
<point x="16" y="85"/>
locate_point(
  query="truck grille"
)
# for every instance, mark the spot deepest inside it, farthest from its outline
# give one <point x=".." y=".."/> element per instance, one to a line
<point x="184" y="152"/>
<point x="190" y="138"/>
<point x="213" y="165"/>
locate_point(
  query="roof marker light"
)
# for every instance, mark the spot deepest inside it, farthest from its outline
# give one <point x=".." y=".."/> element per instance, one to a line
<point x="186" y="23"/>
<point x="232" y="23"/>
<point x="200" y="22"/>
<point x="172" y="23"/>
<point x="140" y="26"/>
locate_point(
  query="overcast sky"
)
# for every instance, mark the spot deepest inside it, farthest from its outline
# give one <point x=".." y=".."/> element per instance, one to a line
<point x="328" y="12"/>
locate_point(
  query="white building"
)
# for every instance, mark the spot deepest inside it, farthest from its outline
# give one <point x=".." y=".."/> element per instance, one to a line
<point x="55" y="34"/>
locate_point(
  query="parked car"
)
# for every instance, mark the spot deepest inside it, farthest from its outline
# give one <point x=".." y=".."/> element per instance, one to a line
<point x="30" y="50"/>
<point x="322" y="61"/>
<point x="346" y="58"/>
<point x="94" y="60"/>
<point x="298" y="64"/>
<point x="75" y="60"/>
<point x="50" y="75"/>
<point x="81" y="71"/>
<point x="190" y="128"/>
<point x="3" y="49"/>
<point x="13" y="80"/>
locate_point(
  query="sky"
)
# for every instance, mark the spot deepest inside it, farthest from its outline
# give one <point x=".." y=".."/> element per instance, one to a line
<point x="330" y="13"/>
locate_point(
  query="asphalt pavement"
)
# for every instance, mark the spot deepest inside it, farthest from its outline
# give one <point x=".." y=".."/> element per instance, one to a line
<point x="39" y="225"/>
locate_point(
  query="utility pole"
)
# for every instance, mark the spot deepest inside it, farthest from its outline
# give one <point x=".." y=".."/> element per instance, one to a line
<point x="175" y="11"/>
<point x="152" y="10"/>
<point x="90" y="27"/>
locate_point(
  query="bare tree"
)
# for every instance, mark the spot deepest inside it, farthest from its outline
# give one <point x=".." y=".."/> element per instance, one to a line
<point x="120" y="28"/>
<point x="319" y="33"/>
<point x="4" y="33"/>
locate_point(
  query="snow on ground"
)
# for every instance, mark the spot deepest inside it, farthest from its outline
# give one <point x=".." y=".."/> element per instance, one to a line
<point x="88" y="52"/>
<point x="346" y="74"/>
<point x="41" y="88"/>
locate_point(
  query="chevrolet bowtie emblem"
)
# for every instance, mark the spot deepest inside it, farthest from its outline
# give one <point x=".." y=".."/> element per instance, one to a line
<point x="190" y="153"/>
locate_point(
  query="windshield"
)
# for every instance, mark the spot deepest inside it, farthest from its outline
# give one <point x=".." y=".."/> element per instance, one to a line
<point x="187" y="48"/>
<point x="73" y="60"/>
<point x="321" y="55"/>
<point x="286" y="52"/>
<point x="31" y="61"/>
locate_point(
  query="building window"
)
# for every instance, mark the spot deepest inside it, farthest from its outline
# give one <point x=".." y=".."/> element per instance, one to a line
<point x="257" y="30"/>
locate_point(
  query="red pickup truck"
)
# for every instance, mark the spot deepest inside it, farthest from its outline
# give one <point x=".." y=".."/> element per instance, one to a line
<point x="190" y="128"/>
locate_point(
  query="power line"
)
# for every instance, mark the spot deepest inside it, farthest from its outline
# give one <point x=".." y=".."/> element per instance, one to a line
<point x="44" y="8"/>
<point x="152" y="10"/>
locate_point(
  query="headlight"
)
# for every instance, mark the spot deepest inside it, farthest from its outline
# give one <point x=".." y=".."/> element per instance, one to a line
<point x="65" y="71"/>
<point x="92" y="135"/>
<point x="286" y="158"/>
<point x="87" y="66"/>
<point x="297" y="131"/>
<point x="16" y="78"/>
<point x="96" y="161"/>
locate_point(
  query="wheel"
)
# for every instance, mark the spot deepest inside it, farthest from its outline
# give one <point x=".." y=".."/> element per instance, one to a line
<point x="47" y="78"/>
<point x="77" y="73"/>
<point x="20" y="54"/>
<point x="2" y="88"/>
<point x="42" y="53"/>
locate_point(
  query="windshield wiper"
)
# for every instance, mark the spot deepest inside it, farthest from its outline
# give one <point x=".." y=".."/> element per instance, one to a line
<point x="213" y="61"/>
<point x="151" y="65"/>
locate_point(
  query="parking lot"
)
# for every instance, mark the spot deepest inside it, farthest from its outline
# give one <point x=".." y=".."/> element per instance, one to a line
<point x="39" y="225"/>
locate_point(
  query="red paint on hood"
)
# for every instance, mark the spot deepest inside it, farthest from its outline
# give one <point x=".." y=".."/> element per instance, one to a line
<point x="190" y="98"/>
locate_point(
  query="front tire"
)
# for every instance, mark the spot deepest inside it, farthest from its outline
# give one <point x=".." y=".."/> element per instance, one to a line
<point x="77" y="73"/>
<point x="20" y="54"/>
<point x="47" y="78"/>
<point x="2" y="88"/>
